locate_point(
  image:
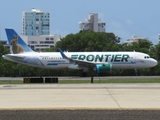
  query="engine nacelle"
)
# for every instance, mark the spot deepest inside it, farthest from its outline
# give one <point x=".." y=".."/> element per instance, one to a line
<point x="103" y="69"/>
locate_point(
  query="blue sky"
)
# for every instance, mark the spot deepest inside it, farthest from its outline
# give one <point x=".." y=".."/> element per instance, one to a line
<point x="123" y="17"/>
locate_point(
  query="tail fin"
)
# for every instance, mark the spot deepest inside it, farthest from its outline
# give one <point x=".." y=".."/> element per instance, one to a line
<point x="17" y="45"/>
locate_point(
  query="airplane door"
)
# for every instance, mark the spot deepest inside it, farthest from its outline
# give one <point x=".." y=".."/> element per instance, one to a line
<point x="133" y="60"/>
<point x="136" y="58"/>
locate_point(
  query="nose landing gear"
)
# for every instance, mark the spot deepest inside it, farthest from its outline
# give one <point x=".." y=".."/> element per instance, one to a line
<point x="136" y="72"/>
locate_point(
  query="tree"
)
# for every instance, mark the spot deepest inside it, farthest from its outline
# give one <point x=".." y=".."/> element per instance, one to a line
<point x="89" y="41"/>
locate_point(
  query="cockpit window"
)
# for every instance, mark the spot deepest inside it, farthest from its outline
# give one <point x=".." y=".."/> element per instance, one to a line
<point x="146" y="57"/>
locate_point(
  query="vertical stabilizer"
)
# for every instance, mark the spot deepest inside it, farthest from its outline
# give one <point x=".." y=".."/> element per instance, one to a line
<point x="17" y="45"/>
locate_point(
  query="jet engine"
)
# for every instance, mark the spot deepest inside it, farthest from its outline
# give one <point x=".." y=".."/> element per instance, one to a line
<point x="103" y="69"/>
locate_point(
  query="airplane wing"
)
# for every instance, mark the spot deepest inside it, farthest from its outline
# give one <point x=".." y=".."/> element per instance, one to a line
<point x="79" y="62"/>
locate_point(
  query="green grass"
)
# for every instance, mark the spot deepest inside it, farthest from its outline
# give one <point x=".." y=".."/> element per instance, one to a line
<point x="11" y="82"/>
<point x="130" y="81"/>
<point x="139" y="80"/>
<point x="155" y="80"/>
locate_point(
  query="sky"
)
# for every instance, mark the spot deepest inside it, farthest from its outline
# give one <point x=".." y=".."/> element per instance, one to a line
<point x="124" y="18"/>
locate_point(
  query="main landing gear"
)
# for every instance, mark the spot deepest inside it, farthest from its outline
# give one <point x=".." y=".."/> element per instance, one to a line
<point x="136" y="72"/>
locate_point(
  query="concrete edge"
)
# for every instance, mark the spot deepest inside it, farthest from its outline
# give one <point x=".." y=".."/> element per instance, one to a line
<point x="72" y="108"/>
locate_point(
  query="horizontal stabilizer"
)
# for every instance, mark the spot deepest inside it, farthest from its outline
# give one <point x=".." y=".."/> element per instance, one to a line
<point x="11" y="56"/>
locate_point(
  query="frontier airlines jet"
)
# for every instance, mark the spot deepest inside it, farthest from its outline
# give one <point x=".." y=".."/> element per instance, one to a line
<point x="100" y="62"/>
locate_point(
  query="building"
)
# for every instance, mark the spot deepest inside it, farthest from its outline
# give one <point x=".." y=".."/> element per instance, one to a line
<point x="40" y="43"/>
<point x="35" y="22"/>
<point x="36" y="30"/>
<point x="93" y="23"/>
<point x="158" y="38"/>
<point x="4" y="43"/>
<point x="134" y="39"/>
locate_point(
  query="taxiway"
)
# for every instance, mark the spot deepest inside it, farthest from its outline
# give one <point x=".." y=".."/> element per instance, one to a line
<point x="80" y="96"/>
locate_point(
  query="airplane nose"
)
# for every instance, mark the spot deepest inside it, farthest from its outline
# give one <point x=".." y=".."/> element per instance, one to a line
<point x="154" y="62"/>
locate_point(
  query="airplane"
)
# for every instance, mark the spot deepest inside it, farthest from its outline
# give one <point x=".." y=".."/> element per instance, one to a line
<point x="100" y="62"/>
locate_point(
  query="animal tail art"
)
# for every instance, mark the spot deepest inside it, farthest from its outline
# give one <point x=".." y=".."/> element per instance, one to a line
<point x="17" y="45"/>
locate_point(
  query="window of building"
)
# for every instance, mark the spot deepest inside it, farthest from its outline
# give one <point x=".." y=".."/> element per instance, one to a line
<point x="32" y="42"/>
<point x="51" y="38"/>
<point x="32" y="47"/>
<point x="47" y="38"/>
<point x="49" y="42"/>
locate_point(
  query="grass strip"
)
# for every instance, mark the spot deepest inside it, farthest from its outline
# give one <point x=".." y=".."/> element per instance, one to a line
<point x="149" y="80"/>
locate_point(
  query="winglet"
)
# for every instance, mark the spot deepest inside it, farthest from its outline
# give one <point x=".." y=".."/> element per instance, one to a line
<point x="63" y="55"/>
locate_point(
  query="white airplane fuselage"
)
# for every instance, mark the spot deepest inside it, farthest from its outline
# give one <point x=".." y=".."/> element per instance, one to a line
<point x="54" y="60"/>
<point x="100" y="62"/>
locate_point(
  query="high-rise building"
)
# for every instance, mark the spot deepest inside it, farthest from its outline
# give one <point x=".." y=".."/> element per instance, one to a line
<point x="93" y="23"/>
<point x="36" y="30"/>
<point x="35" y="22"/>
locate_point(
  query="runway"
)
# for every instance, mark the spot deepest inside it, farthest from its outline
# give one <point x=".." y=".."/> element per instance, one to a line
<point x="80" y="97"/>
